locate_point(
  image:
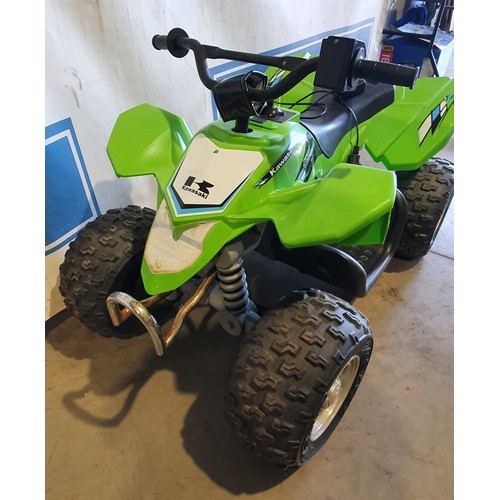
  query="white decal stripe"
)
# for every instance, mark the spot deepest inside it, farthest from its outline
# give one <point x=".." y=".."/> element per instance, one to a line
<point x="424" y="128"/>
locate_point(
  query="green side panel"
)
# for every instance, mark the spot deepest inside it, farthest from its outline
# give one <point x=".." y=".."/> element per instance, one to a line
<point x="415" y="127"/>
<point x="352" y="202"/>
<point x="148" y="140"/>
<point x="373" y="234"/>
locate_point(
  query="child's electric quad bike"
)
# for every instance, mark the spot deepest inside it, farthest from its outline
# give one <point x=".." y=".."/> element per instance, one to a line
<point x="280" y="174"/>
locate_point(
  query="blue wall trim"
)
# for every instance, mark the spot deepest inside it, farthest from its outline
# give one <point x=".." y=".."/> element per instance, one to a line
<point x="361" y="31"/>
<point x="70" y="201"/>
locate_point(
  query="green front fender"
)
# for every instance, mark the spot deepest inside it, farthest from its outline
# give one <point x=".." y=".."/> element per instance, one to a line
<point x="351" y="206"/>
<point x="147" y="140"/>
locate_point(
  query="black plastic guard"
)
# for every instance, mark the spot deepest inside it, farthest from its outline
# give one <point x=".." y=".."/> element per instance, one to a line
<point x="231" y="95"/>
<point x="335" y="265"/>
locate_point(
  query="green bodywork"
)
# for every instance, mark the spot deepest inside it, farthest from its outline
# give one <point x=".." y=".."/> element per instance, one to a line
<point x="406" y="147"/>
<point x="392" y="135"/>
<point x="336" y="202"/>
<point x="147" y="140"/>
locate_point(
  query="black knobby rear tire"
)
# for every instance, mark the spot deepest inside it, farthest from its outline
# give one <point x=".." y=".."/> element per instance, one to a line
<point x="428" y="192"/>
<point x="106" y="257"/>
<point x="285" y="369"/>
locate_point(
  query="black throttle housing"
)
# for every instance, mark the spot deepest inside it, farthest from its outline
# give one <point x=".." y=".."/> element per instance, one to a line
<point x="231" y="95"/>
<point x="337" y="58"/>
<point x="342" y="67"/>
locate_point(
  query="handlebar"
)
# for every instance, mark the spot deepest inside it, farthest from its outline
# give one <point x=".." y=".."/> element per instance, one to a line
<point x="352" y="67"/>
<point x="178" y="43"/>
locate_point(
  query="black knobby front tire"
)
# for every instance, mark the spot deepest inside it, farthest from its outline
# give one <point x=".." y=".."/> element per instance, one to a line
<point x="285" y="370"/>
<point x="106" y="257"/>
<point x="428" y="192"/>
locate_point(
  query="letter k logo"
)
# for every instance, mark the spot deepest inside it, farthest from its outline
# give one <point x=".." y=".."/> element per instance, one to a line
<point x="204" y="186"/>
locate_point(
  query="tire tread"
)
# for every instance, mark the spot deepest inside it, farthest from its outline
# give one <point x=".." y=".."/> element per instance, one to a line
<point x="95" y="258"/>
<point x="272" y="403"/>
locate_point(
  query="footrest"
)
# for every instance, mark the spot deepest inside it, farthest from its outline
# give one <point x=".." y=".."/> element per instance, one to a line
<point x="366" y="255"/>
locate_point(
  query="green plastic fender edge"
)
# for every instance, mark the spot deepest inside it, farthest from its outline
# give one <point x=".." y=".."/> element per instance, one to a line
<point x="147" y="140"/>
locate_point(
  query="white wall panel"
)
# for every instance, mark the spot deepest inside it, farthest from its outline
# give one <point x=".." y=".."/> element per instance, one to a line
<point x="100" y="61"/>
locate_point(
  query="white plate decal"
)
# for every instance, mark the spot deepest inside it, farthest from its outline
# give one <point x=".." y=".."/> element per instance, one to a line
<point x="209" y="177"/>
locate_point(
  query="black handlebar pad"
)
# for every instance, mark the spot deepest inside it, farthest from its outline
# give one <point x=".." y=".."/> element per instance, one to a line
<point x="394" y="74"/>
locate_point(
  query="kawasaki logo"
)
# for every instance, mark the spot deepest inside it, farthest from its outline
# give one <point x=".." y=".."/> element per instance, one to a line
<point x="203" y="187"/>
<point x="274" y="170"/>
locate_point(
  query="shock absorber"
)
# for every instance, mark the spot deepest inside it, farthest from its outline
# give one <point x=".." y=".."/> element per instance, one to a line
<point x="233" y="287"/>
<point x="237" y="313"/>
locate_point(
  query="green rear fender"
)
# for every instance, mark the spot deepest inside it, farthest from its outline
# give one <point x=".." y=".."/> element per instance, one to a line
<point x="147" y="140"/>
<point x="415" y="127"/>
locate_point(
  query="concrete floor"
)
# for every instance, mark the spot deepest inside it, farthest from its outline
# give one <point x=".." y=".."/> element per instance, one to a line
<point x="124" y="424"/>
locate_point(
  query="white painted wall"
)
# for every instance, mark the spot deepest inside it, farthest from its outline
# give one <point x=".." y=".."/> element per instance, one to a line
<point x="100" y="61"/>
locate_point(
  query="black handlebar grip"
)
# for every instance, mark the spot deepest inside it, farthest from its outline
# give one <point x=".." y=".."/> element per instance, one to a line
<point x="170" y="42"/>
<point x="160" y="42"/>
<point x="394" y="74"/>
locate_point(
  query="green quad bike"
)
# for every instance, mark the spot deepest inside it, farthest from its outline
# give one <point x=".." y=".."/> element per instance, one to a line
<point x="279" y="173"/>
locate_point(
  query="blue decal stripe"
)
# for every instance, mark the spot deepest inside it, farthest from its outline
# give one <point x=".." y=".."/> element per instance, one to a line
<point x="70" y="200"/>
<point x="201" y="210"/>
<point x="67" y="124"/>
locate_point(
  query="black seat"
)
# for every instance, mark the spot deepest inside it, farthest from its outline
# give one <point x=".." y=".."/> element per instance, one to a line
<point x="329" y="128"/>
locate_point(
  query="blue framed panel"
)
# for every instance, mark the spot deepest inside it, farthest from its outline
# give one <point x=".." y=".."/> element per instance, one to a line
<point x="70" y="201"/>
<point x="361" y="31"/>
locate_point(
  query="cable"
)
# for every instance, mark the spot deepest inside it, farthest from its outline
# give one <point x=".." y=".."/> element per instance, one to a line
<point x="315" y="103"/>
<point x="305" y="97"/>
<point x="354" y="156"/>
<point x="309" y="95"/>
<point x="324" y="106"/>
<point x="325" y="109"/>
<point x="354" y="116"/>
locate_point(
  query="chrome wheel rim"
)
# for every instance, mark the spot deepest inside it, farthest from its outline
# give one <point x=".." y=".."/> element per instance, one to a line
<point x="335" y="397"/>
